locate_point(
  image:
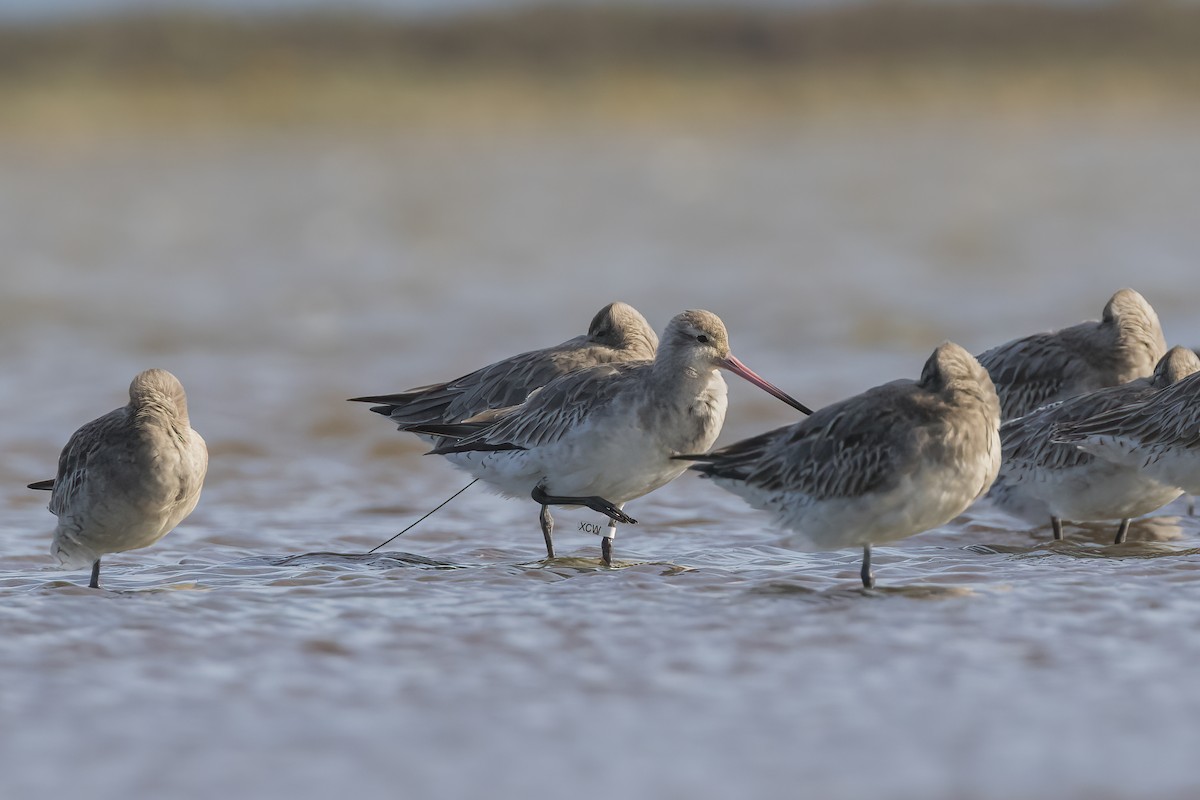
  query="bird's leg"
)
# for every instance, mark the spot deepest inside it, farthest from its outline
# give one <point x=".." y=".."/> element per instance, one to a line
<point x="1056" y="523"/>
<point x="608" y="509"/>
<point x="606" y="543"/>
<point x="1191" y="505"/>
<point x="94" y="583"/>
<point x="1122" y="532"/>
<point x="868" y="577"/>
<point x="547" y="530"/>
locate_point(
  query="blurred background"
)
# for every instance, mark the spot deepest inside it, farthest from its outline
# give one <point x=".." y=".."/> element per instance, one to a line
<point x="288" y="203"/>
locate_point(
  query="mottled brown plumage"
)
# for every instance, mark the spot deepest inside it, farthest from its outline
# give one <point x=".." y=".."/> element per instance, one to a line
<point x="1043" y="368"/>
<point x="617" y="333"/>
<point x="1159" y="436"/>
<point x="1040" y="479"/>
<point x="128" y="478"/>
<point x="891" y="462"/>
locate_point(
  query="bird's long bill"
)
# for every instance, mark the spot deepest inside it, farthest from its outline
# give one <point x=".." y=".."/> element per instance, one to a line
<point x="741" y="370"/>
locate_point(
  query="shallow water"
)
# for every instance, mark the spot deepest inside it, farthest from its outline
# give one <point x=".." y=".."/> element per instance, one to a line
<point x="257" y="651"/>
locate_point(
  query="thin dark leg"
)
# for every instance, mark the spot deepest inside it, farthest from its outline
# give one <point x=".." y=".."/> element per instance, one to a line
<point x="868" y="577"/>
<point x="1122" y="532"/>
<point x="606" y="541"/>
<point x="547" y="530"/>
<point x="608" y="509"/>
<point x="94" y="583"/>
<point x="1056" y="523"/>
<point x="1191" y="505"/>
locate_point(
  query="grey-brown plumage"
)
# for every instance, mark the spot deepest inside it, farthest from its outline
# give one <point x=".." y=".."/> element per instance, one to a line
<point x="893" y="461"/>
<point x="128" y="478"/>
<point x="1046" y="367"/>
<point x="617" y="333"/>
<point x="1040" y="479"/>
<point x="1159" y="436"/>
<point x="606" y="434"/>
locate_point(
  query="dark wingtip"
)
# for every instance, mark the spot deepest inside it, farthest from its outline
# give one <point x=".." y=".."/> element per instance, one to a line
<point x="472" y="448"/>
<point x="43" y="486"/>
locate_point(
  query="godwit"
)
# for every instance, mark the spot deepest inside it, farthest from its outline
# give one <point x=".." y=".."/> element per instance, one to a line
<point x="1159" y="436"/>
<point x="893" y="461"/>
<point x="601" y="436"/>
<point x="128" y="478"/>
<point x="617" y="333"/>
<point x="1046" y="367"/>
<point x="1040" y="478"/>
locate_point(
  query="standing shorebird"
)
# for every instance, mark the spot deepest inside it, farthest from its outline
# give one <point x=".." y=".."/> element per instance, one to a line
<point x="617" y="333"/>
<point x="1040" y="478"/>
<point x="1046" y="367"/>
<point x="1160" y="436"/>
<point x="896" y="460"/>
<point x="601" y="436"/>
<point x="128" y="478"/>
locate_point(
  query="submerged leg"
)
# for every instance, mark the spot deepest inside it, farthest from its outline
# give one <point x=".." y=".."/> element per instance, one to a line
<point x="547" y="530"/>
<point x="868" y="577"/>
<point x="608" y="509"/>
<point x="1122" y="532"/>
<point x="94" y="583"/>
<point x="1056" y="523"/>
<point x="606" y="543"/>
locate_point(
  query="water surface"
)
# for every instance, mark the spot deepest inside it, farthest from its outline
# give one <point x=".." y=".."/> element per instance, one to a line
<point x="256" y="651"/>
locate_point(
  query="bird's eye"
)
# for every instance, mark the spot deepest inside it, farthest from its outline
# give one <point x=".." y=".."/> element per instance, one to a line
<point x="702" y="338"/>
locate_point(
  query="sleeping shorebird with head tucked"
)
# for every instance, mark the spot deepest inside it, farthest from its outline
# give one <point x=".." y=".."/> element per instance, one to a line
<point x="128" y="478"/>
<point x="601" y="436"/>
<point x="1046" y="367"/>
<point x="617" y="333"/>
<point x="1160" y="436"/>
<point x="1042" y="479"/>
<point x="891" y="462"/>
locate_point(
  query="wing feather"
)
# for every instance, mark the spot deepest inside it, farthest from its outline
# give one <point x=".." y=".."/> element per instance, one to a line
<point x="557" y="408"/>
<point x="500" y="385"/>
<point x="1027" y="440"/>
<point x="1030" y="372"/>
<point x="91" y="439"/>
<point x="1169" y="418"/>
<point x="846" y="449"/>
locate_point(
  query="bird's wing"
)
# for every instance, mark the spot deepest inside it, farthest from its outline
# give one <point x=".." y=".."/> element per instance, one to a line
<point x="505" y="383"/>
<point x="81" y="449"/>
<point x="1171" y="417"/>
<point x="843" y="450"/>
<point x="1027" y="440"/>
<point x="1029" y="373"/>
<point x="548" y="414"/>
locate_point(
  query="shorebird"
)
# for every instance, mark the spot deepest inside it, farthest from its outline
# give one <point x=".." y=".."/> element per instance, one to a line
<point x="601" y="436"/>
<point x="896" y="460"/>
<point x="1040" y="478"/>
<point x="617" y="333"/>
<point x="128" y="478"/>
<point x="1046" y="367"/>
<point x="1159" y="436"/>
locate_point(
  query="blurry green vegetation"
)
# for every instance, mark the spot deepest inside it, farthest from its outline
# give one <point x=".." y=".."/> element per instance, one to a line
<point x="196" y="70"/>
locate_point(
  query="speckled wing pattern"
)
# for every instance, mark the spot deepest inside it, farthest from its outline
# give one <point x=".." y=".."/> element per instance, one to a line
<point x="1026" y="440"/>
<point x="847" y="449"/>
<point x="1169" y="418"/>
<point x="1031" y="372"/>
<point x="505" y="383"/>
<point x="84" y="444"/>
<point x="556" y="408"/>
